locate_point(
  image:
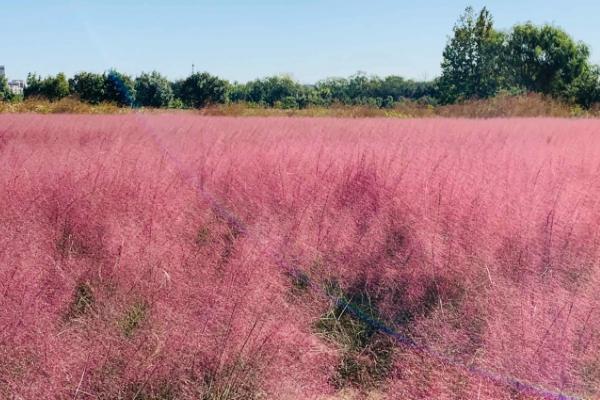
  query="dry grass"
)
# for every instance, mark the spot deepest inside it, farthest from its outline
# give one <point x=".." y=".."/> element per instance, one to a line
<point x="502" y="106"/>
<point x="64" y="106"/>
<point x="336" y="111"/>
<point x="532" y="105"/>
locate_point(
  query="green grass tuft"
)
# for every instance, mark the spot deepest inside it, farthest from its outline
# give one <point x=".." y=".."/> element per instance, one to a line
<point x="134" y="317"/>
<point x="367" y="355"/>
<point x="82" y="303"/>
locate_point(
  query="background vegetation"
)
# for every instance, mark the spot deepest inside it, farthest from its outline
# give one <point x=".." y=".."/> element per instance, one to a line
<point x="478" y="62"/>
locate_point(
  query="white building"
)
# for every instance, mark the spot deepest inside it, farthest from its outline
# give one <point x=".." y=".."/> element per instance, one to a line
<point x="16" y="86"/>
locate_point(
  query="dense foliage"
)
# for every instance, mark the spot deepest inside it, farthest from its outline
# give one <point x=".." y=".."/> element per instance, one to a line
<point x="153" y="90"/>
<point x="201" y="89"/>
<point x="52" y="87"/>
<point x="89" y="87"/>
<point x="119" y="88"/>
<point x="478" y="62"/>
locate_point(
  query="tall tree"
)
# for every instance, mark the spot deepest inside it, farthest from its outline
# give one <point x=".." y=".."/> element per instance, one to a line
<point x="545" y="59"/>
<point x="472" y="60"/>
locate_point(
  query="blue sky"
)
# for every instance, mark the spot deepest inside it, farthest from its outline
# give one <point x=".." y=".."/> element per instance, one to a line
<point x="242" y="40"/>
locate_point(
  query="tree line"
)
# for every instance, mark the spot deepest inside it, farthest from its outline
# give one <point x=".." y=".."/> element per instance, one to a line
<point x="478" y="62"/>
<point x="203" y="89"/>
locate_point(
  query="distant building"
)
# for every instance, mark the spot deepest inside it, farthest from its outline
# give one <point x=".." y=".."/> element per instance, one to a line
<point x="16" y="86"/>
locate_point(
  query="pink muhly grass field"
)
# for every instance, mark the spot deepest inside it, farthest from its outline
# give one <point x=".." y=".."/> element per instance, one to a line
<point x="184" y="257"/>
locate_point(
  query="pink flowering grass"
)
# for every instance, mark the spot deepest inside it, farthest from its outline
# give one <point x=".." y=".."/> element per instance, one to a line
<point x="183" y="257"/>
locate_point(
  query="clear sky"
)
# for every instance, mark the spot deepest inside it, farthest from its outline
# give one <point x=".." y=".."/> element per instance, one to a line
<point x="242" y="40"/>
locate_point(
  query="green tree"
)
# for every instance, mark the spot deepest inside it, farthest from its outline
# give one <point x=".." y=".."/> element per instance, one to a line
<point x="89" y="87"/>
<point x="545" y="59"/>
<point x="119" y="89"/>
<point x="359" y="87"/>
<point x="5" y="92"/>
<point x="33" y="86"/>
<point x="176" y="87"/>
<point x="334" y="90"/>
<point x="153" y="90"/>
<point x="585" y="89"/>
<point x="52" y="87"/>
<point x="472" y="65"/>
<point x="275" y="90"/>
<point x="395" y="87"/>
<point x="238" y="92"/>
<point x="56" y="88"/>
<point x="202" y="89"/>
